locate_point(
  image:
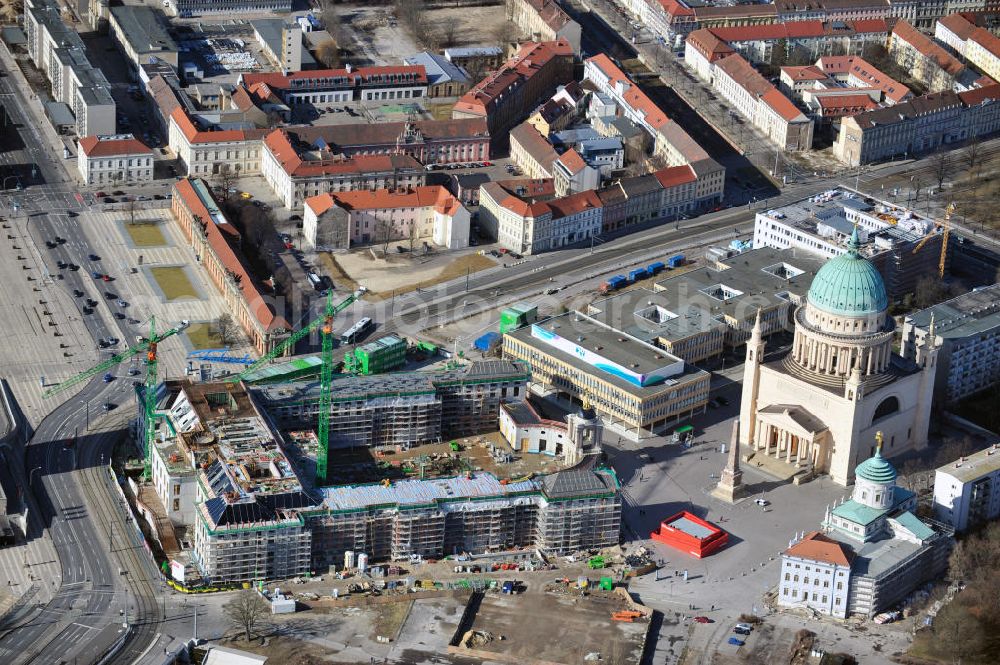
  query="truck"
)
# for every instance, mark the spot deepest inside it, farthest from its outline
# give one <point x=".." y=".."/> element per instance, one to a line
<point x="613" y="283"/>
<point x="655" y="268"/>
<point x="637" y="274"/>
<point x="675" y="261"/>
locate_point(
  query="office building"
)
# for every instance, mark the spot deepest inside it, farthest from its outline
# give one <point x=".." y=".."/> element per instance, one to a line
<point x="330" y="86"/>
<point x="141" y="34"/>
<point x="630" y="383"/>
<point x="967" y="329"/>
<point x="114" y="160"/>
<point x="190" y="8"/>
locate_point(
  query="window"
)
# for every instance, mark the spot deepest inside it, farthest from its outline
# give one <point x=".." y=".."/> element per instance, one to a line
<point x="787" y="577"/>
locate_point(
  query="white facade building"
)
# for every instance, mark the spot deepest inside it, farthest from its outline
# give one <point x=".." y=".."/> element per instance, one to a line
<point x="816" y="574"/>
<point x="967" y="491"/>
<point x="114" y="160"/>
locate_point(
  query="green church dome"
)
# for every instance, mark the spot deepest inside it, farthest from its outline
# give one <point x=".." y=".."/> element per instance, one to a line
<point x="849" y="285"/>
<point x="877" y="469"/>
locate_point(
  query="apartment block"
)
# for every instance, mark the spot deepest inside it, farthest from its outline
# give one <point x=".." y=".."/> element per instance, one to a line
<point x="967" y="491"/>
<point x="628" y="382"/>
<point x="927" y="61"/>
<point x="563" y="512"/>
<point x="810" y="38"/>
<point x="404" y="408"/>
<point x="920" y="125"/>
<point x="506" y="96"/>
<point x="364" y="217"/>
<point x="212" y="237"/>
<point x="191" y="8"/>
<point x="296" y="171"/>
<point x="58" y="52"/>
<point x="114" y="160"/>
<point x="967" y="330"/>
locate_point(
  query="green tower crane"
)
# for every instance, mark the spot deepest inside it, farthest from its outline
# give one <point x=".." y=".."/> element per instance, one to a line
<point x="149" y="347"/>
<point x="324" y="324"/>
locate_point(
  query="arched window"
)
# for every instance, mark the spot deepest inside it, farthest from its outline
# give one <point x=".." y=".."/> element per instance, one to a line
<point x="889" y="406"/>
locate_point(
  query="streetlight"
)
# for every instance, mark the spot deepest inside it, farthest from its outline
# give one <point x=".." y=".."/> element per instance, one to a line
<point x="31" y="475"/>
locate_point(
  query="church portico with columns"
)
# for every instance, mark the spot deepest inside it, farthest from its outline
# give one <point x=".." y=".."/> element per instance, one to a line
<point x="814" y="406"/>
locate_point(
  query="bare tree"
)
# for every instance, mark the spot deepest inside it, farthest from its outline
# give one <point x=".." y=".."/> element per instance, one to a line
<point x="225" y="330"/>
<point x="225" y="177"/>
<point x="940" y="167"/>
<point x="449" y="30"/>
<point x="973" y="155"/>
<point x="504" y="34"/>
<point x="246" y="610"/>
<point x="383" y="234"/>
<point x="130" y="207"/>
<point x="411" y="235"/>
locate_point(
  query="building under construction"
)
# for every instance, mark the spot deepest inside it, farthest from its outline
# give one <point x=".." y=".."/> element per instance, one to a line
<point x="573" y="509"/>
<point x="404" y="408"/>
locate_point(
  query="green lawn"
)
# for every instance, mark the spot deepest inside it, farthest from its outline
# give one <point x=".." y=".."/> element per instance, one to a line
<point x="146" y="235"/>
<point x="202" y="336"/>
<point x="174" y="283"/>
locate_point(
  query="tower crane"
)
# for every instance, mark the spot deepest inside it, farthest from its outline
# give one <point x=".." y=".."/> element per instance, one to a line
<point x="149" y="347"/>
<point x="945" y="226"/>
<point x="324" y="324"/>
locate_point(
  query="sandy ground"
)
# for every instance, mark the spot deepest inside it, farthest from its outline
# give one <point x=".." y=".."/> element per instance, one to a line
<point x="403" y="272"/>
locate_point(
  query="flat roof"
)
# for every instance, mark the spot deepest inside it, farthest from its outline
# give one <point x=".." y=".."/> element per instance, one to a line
<point x="972" y="467"/>
<point x="143" y="28"/>
<point x="576" y="335"/>
<point x="688" y="303"/>
<point x="971" y="313"/>
<point x="690" y="527"/>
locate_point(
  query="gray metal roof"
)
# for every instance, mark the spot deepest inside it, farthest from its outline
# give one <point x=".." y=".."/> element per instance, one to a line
<point x="971" y="313"/>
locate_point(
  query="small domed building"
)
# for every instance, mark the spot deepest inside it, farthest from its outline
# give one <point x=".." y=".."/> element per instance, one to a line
<point x="818" y="405"/>
<point x="872" y="551"/>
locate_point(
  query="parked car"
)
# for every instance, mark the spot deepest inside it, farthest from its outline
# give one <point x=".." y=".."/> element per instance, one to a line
<point x="741" y="631"/>
<point x="93" y="257"/>
<point x="119" y="316"/>
<point x="74" y="267"/>
<point x="703" y="620"/>
<point x="735" y="641"/>
<point x="122" y="303"/>
<point x="110" y="295"/>
<point x="77" y="293"/>
<point x="108" y="378"/>
<point x="62" y="265"/>
<point x="107" y="278"/>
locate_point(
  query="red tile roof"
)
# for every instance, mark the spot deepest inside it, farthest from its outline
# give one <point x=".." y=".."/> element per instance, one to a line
<point x="705" y="42"/>
<point x="280" y="146"/>
<point x="864" y="71"/>
<point x="107" y="146"/>
<point x="817" y="547"/>
<point x="259" y="307"/>
<point x="572" y="161"/>
<point x="958" y="24"/>
<point x="531" y="58"/>
<point x="551" y="13"/>
<point x="804" y="73"/>
<point x="633" y="96"/>
<point x="980" y="95"/>
<point x="928" y="47"/>
<point x="799" y="30"/>
<point x="574" y="204"/>
<point x="987" y="40"/>
<point x="745" y="76"/>
<point x="672" y="176"/>
<point x="782" y="105"/>
<point x="676" y="8"/>
<point x="194" y="135"/>
<point x="434" y="196"/>
<point x="840" y="105"/>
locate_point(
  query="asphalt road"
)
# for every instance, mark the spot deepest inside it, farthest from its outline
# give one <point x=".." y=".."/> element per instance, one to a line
<point x="75" y="622"/>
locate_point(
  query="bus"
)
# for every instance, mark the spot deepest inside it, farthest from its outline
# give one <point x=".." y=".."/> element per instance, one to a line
<point x="357" y="331"/>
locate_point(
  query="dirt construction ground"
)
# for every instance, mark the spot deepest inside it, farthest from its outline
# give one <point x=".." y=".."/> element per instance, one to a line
<point x="401" y="273"/>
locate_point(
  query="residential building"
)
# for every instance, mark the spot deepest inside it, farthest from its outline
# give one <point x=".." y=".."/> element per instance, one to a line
<point x="572" y="174"/>
<point x="753" y="97"/>
<point x="873" y="552"/>
<point x="804" y="38"/>
<point x="814" y="406"/>
<point x="926" y="60"/>
<point x="982" y="49"/>
<point x="281" y="41"/>
<point x="700" y="314"/>
<point x="296" y="171"/>
<point x="329" y="86"/>
<point x="563" y="512"/>
<point x="189" y="8"/>
<point x="506" y="96"/>
<point x="560" y="110"/>
<point x="813" y="561"/>
<point x="967" y="329"/>
<point x="140" y="32"/>
<point x="842" y="75"/>
<point x="919" y="125"/>
<point x="889" y="233"/>
<point x="532" y="152"/>
<point x="58" y="52"/>
<point x="967" y="491"/>
<point x="206" y="151"/>
<point x="444" y="78"/>
<point x="348" y="219"/>
<point x="544" y="21"/>
<point x="629" y="383"/>
<point x="402" y="408"/>
<point x="955" y="30"/>
<point x="213" y="237"/>
<point x="114" y="160"/>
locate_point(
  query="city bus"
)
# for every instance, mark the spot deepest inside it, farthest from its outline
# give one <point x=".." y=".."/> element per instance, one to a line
<point x="357" y="331"/>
